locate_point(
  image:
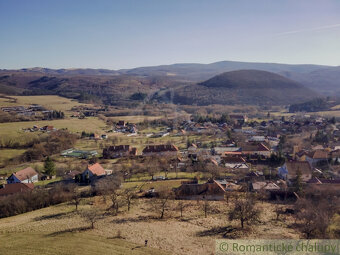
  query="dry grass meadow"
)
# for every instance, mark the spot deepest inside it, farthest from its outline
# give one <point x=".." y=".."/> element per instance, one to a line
<point x="60" y="230"/>
<point x="51" y="102"/>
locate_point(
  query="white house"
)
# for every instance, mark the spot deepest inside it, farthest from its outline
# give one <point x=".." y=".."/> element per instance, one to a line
<point x="27" y="175"/>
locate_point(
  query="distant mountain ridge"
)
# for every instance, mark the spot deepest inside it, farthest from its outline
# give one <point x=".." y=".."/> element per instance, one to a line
<point x="200" y="72"/>
<point x="321" y="78"/>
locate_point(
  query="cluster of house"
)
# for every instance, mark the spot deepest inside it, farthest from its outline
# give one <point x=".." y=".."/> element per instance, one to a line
<point x="36" y="128"/>
<point x="25" y="110"/>
<point x="20" y="181"/>
<point x="125" y="127"/>
<point x="218" y="189"/>
<point x="239" y="159"/>
<point x="23" y="180"/>
<point x="191" y="126"/>
<point x="317" y="155"/>
<point x="274" y="128"/>
<point x="119" y="151"/>
<point x="82" y="154"/>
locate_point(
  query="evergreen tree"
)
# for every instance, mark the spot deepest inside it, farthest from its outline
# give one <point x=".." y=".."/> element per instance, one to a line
<point x="49" y="167"/>
<point x="298" y="181"/>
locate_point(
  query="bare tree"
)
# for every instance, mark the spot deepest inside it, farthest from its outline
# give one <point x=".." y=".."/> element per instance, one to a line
<point x="114" y="197"/>
<point x="108" y="187"/>
<point x="315" y="216"/>
<point x="181" y="205"/>
<point x="213" y="170"/>
<point x="245" y="211"/>
<point x="76" y="198"/>
<point x="227" y="196"/>
<point x="278" y="211"/>
<point x="152" y="167"/>
<point x="108" y="184"/>
<point x="91" y="215"/>
<point x="129" y="195"/>
<point x="162" y="203"/>
<point x="206" y="207"/>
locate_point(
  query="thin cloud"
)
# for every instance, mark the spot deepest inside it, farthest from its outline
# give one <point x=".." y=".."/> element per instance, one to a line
<point x="309" y="30"/>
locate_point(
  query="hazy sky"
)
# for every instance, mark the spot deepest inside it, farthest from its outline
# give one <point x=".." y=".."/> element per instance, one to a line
<point x="123" y="34"/>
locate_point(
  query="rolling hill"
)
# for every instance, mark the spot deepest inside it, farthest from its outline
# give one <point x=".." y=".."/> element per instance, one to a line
<point x="225" y="82"/>
<point x="251" y="87"/>
<point x="323" y="79"/>
<point x="108" y="89"/>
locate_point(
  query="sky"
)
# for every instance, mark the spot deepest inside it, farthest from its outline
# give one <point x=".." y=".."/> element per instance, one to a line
<point x="116" y="34"/>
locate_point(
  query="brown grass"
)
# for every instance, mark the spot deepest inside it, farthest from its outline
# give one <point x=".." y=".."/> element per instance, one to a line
<point x="193" y="234"/>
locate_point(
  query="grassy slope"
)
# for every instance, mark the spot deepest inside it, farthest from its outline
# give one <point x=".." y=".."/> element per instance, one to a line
<point x="46" y="232"/>
<point x="69" y="243"/>
<point x="59" y="230"/>
<point x="10" y="153"/>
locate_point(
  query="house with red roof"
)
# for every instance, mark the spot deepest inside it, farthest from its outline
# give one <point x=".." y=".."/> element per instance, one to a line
<point x="256" y="149"/>
<point x="93" y="170"/>
<point x="161" y="149"/>
<point x="118" y="151"/>
<point x="14" y="188"/>
<point x="26" y="175"/>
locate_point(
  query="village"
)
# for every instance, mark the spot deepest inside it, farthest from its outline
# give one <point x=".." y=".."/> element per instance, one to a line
<point x="246" y="156"/>
<point x="169" y="127"/>
<point x="281" y="171"/>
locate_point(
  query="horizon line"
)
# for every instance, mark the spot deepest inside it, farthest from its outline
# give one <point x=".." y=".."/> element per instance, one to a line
<point x="177" y="63"/>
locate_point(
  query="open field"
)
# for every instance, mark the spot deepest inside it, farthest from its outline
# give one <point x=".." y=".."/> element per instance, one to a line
<point x="60" y="230"/>
<point x="91" y="124"/>
<point x="135" y="118"/>
<point x="50" y="102"/>
<point x="326" y="113"/>
<point x="10" y="153"/>
<point x="333" y="113"/>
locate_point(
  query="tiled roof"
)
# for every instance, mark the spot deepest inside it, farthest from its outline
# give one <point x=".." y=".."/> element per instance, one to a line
<point x="265" y="186"/>
<point x="13" y="188"/>
<point x="25" y="174"/>
<point x="119" y="148"/>
<point x="233" y="160"/>
<point x="96" y="169"/>
<point x="160" y="148"/>
<point x="318" y="154"/>
<point x="295" y="166"/>
<point x="255" y="147"/>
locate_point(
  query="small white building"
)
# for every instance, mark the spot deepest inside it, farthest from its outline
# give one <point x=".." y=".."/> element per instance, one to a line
<point x="27" y="175"/>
